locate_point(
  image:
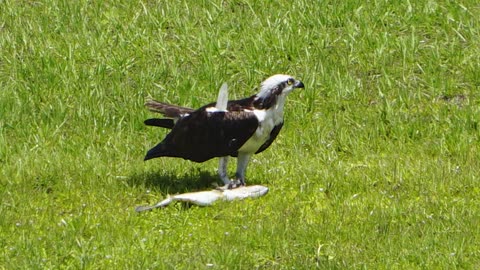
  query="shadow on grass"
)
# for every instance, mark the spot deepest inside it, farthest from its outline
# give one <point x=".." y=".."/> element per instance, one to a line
<point x="196" y="180"/>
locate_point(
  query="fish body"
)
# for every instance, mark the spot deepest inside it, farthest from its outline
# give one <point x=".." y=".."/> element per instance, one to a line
<point x="206" y="198"/>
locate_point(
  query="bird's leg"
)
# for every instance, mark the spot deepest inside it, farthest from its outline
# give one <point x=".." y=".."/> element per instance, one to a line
<point x="222" y="170"/>
<point x="242" y="162"/>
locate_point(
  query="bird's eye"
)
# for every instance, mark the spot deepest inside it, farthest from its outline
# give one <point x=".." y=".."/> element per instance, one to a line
<point x="290" y="81"/>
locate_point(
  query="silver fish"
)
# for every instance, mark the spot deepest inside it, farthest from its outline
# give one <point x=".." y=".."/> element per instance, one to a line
<point x="205" y="198"/>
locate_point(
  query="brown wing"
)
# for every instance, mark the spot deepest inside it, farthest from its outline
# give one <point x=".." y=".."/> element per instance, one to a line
<point x="203" y="135"/>
<point x="168" y="110"/>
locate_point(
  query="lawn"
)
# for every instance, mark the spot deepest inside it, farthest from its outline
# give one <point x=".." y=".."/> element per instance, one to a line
<point x="377" y="165"/>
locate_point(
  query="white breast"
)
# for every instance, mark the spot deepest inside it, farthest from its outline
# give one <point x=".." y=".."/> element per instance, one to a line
<point x="267" y="119"/>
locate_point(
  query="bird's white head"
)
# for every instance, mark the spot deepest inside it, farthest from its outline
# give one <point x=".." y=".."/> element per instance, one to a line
<point x="279" y="84"/>
<point x="276" y="86"/>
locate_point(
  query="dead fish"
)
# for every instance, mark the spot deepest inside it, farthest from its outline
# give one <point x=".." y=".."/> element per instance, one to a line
<point x="205" y="198"/>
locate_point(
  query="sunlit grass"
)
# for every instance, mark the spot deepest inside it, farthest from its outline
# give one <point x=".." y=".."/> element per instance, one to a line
<point x="376" y="167"/>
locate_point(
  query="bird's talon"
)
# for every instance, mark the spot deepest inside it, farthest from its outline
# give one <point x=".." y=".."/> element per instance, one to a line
<point x="236" y="184"/>
<point x="222" y="188"/>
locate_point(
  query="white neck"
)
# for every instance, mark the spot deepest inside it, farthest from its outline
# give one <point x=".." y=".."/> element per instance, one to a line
<point x="277" y="110"/>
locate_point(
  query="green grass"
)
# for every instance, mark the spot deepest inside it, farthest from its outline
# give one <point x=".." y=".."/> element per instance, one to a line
<point x="376" y="167"/>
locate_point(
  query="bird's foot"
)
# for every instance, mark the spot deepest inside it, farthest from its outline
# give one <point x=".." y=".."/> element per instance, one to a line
<point x="233" y="184"/>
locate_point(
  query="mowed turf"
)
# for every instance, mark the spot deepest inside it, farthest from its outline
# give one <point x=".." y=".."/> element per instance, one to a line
<point x="377" y="165"/>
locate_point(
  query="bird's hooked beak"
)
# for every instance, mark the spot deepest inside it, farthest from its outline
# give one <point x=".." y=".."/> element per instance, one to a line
<point x="298" y="84"/>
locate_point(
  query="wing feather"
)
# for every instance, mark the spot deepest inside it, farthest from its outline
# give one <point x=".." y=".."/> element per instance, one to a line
<point x="203" y="135"/>
<point x="168" y="110"/>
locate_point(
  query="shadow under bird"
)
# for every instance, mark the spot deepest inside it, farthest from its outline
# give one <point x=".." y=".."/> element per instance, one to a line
<point x="237" y="128"/>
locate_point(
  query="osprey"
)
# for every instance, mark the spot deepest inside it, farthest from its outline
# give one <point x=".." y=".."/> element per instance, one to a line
<point x="240" y="129"/>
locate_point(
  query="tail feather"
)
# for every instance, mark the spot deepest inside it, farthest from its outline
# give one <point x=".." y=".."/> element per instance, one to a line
<point x="160" y="122"/>
<point x="158" y="151"/>
<point x="168" y="110"/>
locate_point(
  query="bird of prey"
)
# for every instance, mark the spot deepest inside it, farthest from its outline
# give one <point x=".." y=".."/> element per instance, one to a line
<point x="239" y="128"/>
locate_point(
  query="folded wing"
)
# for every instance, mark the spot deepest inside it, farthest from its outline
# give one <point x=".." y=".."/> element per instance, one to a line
<point x="202" y="135"/>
